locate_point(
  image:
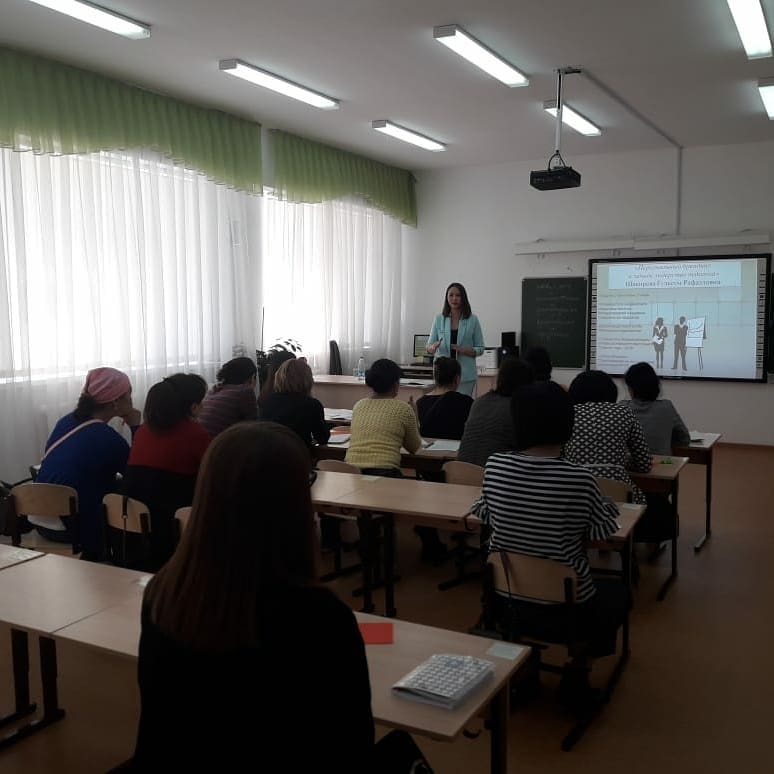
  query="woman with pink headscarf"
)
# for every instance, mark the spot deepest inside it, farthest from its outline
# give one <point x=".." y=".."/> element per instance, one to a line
<point x="84" y="452"/>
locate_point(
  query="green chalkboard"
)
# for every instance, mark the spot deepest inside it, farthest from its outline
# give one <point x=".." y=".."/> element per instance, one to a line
<point x="553" y="315"/>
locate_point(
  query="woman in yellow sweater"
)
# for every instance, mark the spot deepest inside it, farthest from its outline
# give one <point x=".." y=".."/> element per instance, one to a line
<point x="381" y="425"/>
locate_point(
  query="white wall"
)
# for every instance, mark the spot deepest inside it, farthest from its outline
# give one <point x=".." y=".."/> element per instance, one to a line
<point x="471" y="218"/>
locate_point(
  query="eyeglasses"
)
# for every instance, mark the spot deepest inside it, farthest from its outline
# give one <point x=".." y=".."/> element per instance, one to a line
<point x="312" y="477"/>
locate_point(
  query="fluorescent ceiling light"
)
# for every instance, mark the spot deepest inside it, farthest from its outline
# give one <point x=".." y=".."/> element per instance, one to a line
<point x="766" y="89"/>
<point x="401" y="133"/>
<point x="469" y="48"/>
<point x="275" y="83"/>
<point x="751" y="24"/>
<point x="573" y="119"/>
<point x="99" y="17"/>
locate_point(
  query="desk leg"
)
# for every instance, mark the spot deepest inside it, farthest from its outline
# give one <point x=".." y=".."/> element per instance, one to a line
<point x="21" y="678"/>
<point x="368" y="550"/>
<point x="708" y="505"/>
<point x="388" y="531"/>
<point x="48" y="673"/>
<point x="498" y="710"/>
<point x="673" y="575"/>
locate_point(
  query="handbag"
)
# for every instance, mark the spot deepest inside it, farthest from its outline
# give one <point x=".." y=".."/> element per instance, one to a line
<point x="658" y="340"/>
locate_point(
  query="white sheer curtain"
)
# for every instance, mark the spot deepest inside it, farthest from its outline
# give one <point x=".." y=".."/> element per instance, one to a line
<point x="332" y="271"/>
<point x="119" y="259"/>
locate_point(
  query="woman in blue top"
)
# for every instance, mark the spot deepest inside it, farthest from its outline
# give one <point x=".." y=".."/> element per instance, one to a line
<point x="456" y="333"/>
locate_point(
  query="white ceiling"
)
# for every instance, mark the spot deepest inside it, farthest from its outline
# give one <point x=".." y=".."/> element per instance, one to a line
<point x="677" y="62"/>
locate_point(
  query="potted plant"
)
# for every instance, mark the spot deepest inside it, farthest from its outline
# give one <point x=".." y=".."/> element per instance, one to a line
<point x="274" y="356"/>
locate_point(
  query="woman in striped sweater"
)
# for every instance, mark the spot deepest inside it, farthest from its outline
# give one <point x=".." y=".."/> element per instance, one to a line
<point x="537" y="503"/>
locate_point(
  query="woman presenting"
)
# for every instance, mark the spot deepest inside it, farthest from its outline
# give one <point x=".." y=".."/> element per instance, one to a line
<point x="456" y="333"/>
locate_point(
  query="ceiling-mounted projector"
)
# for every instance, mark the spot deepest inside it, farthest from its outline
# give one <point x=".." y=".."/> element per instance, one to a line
<point x="558" y="174"/>
<point x="552" y="179"/>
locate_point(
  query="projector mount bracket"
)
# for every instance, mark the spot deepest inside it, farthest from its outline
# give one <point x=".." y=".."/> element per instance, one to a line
<point x="556" y="159"/>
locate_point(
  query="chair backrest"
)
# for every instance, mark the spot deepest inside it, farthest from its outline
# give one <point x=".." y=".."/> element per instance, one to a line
<point x="181" y="516"/>
<point x="334" y="366"/>
<point x="48" y="502"/>
<point x="125" y="513"/>
<point x="456" y="472"/>
<point x="618" y="491"/>
<point x="532" y="577"/>
<point x="337" y="466"/>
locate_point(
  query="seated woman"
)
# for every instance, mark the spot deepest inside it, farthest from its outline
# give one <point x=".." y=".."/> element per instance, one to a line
<point x="662" y="425"/>
<point x="291" y="404"/>
<point x="538" y="359"/>
<point x="443" y="411"/>
<point x="489" y="428"/>
<point x="381" y="425"/>
<point x="165" y="458"/>
<point x="663" y="428"/>
<point x="85" y="453"/>
<point x="231" y="615"/>
<point x="537" y="503"/>
<point x="232" y="399"/>
<point x="607" y="438"/>
<point x="274" y="360"/>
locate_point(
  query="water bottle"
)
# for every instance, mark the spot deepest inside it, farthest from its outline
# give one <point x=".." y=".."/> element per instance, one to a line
<point x="361" y="368"/>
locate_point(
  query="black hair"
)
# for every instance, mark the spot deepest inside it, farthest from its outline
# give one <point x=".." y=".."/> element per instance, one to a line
<point x="274" y="360"/>
<point x="237" y="371"/>
<point x="383" y="375"/>
<point x="466" y="311"/>
<point x="445" y="369"/>
<point x="643" y="381"/>
<point x="593" y="387"/>
<point x="540" y="361"/>
<point x="87" y="407"/>
<point x="512" y="374"/>
<point x="170" y="401"/>
<point x="542" y="414"/>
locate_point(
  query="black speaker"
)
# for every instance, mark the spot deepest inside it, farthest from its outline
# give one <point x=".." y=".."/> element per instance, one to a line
<point x="508" y="339"/>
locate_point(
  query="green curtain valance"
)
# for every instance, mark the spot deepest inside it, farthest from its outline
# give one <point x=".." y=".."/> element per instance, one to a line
<point x="306" y="171"/>
<point x="49" y="107"/>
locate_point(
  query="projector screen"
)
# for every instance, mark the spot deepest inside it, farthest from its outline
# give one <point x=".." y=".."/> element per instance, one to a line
<point x="694" y="318"/>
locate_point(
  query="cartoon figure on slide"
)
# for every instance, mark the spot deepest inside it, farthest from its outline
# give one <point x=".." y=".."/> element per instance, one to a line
<point x="681" y="332"/>
<point x="659" y="338"/>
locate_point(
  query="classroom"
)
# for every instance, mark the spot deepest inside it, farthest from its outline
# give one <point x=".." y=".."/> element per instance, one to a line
<point x="157" y="216"/>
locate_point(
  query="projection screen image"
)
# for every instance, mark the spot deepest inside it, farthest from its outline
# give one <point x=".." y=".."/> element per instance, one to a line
<point x="688" y="317"/>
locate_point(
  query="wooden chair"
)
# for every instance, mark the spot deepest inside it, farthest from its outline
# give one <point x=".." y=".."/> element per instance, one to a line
<point x="182" y="515"/>
<point x="49" y="502"/>
<point x="618" y="491"/>
<point x="126" y="516"/>
<point x="532" y="578"/>
<point x="456" y="472"/>
<point x="331" y="525"/>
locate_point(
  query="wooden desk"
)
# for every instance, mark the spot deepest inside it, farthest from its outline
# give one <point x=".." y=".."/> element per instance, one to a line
<point x="43" y="595"/>
<point x="423" y="460"/>
<point x="377" y="502"/>
<point x="116" y="630"/>
<point x="335" y="391"/>
<point x="663" y="479"/>
<point x="11" y="555"/>
<point x="701" y="453"/>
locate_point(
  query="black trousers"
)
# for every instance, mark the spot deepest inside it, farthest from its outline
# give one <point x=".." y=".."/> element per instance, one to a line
<point x="596" y="621"/>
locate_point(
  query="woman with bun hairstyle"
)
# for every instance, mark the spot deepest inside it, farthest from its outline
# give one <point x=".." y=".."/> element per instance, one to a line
<point x="232" y="399"/>
<point x="165" y="457"/>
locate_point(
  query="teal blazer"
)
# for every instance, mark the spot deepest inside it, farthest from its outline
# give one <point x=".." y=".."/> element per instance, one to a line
<point x="468" y="335"/>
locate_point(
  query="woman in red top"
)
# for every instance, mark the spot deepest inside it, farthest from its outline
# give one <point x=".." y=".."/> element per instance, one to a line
<point x="165" y="457"/>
